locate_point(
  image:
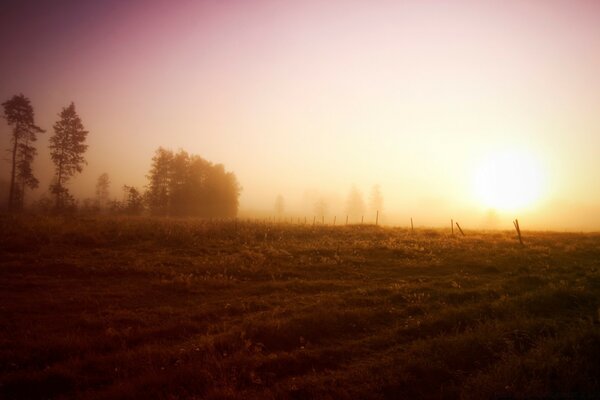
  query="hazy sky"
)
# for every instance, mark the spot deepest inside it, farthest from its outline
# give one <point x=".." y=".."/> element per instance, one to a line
<point x="308" y="98"/>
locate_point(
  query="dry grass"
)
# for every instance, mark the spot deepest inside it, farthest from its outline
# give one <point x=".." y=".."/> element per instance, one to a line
<point x="149" y="308"/>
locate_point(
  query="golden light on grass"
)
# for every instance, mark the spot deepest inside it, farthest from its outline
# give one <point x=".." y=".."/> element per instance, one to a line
<point x="509" y="180"/>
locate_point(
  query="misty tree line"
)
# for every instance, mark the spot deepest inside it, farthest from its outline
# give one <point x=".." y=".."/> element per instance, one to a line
<point x="355" y="206"/>
<point x="180" y="184"/>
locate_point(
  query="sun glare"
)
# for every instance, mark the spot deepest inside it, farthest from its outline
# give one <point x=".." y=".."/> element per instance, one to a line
<point x="508" y="181"/>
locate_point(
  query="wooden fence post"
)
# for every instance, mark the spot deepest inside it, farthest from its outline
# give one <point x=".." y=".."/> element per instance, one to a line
<point x="452" y="226"/>
<point x="377" y="218"/>
<point x="459" y="228"/>
<point x="412" y="228"/>
<point x="516" y="224"/>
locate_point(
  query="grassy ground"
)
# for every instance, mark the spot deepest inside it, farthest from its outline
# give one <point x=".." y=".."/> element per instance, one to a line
<point x="144" y="308"/>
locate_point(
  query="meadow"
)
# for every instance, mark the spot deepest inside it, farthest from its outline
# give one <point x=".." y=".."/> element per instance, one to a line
<point x="115" y="307"/>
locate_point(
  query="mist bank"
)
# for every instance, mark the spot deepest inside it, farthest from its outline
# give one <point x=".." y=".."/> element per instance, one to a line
<point x="556" y="215"/>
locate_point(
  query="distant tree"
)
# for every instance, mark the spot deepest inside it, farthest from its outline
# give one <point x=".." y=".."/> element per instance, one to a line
<point x="18" y="113"/>
<point x="66" y="149"/>
<point x="103" y="190"/>
<point x="199" y="202"/>
<point x="133" y="202"/>
<point x="179" y="185"/>
<point x="42" y="205"/>
<point x="182" y="184"/>
<point x="158" y="193"/>
<point x="222" y="193"/>
<point x="376" y="200"/>
<point x="89" y="206"/>
<point x="320" y="207"/>
<point x="279" y="205"/>
<point x="355" y="205"/>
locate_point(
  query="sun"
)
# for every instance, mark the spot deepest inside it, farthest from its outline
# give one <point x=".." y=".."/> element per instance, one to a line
<point x="509" y="180"/>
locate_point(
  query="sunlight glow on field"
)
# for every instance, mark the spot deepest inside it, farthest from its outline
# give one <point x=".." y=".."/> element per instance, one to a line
<point x="509" y="180"/>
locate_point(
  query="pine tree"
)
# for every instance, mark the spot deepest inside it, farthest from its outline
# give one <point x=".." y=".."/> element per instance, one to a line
<point x="66" y="149"/>
<point x="18" y="113"/>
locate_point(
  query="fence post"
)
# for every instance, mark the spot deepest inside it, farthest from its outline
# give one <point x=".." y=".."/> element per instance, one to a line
<point x="516" y="224"/>
<point x="459" y="228"/>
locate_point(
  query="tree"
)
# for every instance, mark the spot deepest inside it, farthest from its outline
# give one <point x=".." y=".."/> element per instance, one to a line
<point x="376" y="200"/>
<point x="355" y="205"/>
<point x="18" y="113"/>
<point x="158" y="192"/>
<point x="279" y="205"/>
<point x="103" y="190"/>
<point x="133" y="203"/>
<point x="320" y="208"/>
<point x="183" y="184"/>
<point x="222" y="192"/>
<point x="179" y="184"/>
<point x="66" y="149"/>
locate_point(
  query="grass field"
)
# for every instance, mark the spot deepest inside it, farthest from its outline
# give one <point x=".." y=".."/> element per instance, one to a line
<point x="109" y="308"/>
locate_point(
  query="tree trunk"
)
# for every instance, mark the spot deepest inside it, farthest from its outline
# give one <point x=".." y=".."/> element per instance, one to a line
<point x="11" y="193"/>
<point x="59" y="189"/>
<point x="59" y="179"/>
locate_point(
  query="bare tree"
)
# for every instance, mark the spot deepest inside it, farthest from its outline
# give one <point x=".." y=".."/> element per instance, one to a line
<point x="18" y="113"/>
<point x="66" y="149"/>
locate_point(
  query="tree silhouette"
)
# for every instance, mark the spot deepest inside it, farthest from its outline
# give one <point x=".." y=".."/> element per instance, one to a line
<point x="320" y="207"/>
<point x="133" y="202"/>
<point x="355" y="205"/>
<point x="158" y="192"/>
<point x="179" y="184"/>
<point x="279" y="205"/>
<point x="376" y="200"/>
<point x="18" y="113"/>
<point x="66" y="149"/>
<point x="103" y="190"/>
<point x="222" y="192"/>
<point x="182" y="184"/>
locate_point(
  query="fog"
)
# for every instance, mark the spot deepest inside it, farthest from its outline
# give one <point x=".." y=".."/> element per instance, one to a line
<point x="312" y="101"/>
